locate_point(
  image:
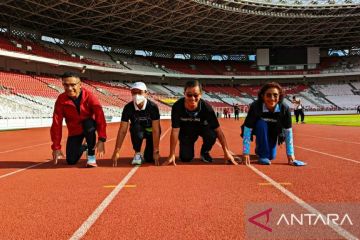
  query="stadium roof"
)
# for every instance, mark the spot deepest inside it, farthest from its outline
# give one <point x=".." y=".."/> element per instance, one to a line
<point x="197" y="26"/>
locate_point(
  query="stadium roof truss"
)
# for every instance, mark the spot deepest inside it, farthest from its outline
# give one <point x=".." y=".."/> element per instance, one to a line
<point x="191" y="26"/>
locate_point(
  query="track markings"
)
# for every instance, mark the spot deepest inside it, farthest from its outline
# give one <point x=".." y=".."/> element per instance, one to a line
<point x="27" y="147"/>
<point x="36" y="145"/>
<point x="339" y="230"/>
<point x="331" y="139"/>
<point x="31" y="166"/>
<point x="22" y="169"/>
<point x="328" y="154"/>
<point x="82" y="230"/>
<point x="125" y="186"/>
<point x="269" y="184"/>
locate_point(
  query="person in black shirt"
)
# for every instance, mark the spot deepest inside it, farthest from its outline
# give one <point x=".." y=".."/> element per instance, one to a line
<point x="298" y="109"/>
<point x="144" y="118"/>
<point x="236" y="111"/>
<point x="192" y="117"/>
<point x="269" y="119"/>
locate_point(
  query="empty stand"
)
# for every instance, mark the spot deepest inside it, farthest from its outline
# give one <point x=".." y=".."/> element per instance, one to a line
<point x="35" y="95"/>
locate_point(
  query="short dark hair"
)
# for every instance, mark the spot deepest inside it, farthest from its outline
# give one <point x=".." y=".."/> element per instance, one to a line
<point x="70" y="74"/>
<point x="191" y="84"/>
<point x="271" y="85"/>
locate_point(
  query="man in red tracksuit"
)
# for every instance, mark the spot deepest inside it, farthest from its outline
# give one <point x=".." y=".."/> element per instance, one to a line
<point x="84" y="116"/>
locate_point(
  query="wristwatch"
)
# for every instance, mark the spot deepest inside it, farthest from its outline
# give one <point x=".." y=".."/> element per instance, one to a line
<point x="102" y="139"/>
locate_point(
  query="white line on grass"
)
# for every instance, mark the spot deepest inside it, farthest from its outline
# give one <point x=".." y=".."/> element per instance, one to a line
<point x="82" y="230"/>
<point x="328" y="154"/>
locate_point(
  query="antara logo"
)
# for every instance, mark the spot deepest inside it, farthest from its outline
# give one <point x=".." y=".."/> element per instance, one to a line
<point x="314" y="219"/>
<point x="267" y="213"/>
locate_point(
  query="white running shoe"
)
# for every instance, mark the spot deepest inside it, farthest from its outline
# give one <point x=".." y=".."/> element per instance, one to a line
<point x="91" y="161"/>
<point x="138" y="159"/>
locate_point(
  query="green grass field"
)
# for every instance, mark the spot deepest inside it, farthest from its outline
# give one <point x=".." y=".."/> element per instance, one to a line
<point x="337" y="120"/>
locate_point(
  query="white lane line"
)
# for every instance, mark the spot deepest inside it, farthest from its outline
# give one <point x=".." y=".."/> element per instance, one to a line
<point x="328" y="154"/>
<point x="36" y="145"/>
<point x="100" y="209"/>
<point x="82" y="230"/>
<point x="21" y="148"/>
<point x="31" y="166"/>
<point x="332" y="139"/>
<point x="23" y="169"/>
<point x="339" y="230"/>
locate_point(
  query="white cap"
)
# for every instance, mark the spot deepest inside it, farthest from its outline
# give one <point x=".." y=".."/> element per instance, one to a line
<point x="139" y="85"/>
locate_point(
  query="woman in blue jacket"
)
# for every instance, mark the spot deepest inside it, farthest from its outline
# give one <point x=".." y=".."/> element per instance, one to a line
<point x="269" y="119"/>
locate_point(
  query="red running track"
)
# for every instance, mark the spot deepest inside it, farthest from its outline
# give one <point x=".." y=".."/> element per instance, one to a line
<point x="189" y="201"/>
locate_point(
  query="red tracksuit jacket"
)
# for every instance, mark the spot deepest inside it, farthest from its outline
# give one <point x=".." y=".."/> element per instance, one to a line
<point x="65" y="108"/>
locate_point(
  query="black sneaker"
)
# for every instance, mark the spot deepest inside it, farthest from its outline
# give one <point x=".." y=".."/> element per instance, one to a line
<point x="205" y="157"/>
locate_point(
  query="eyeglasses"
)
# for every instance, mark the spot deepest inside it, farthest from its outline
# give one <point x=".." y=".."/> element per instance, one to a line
<point x="269" y="95"/>
<point x="190" y="95"/>
<point x="68" y="85"/>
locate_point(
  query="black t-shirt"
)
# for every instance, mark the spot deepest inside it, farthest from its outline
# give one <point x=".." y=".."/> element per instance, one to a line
<point x="236" y="109"/>
<point x="191" y="122"/>
<point x="256" y="112"/>
<point x="144" y="117"/>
